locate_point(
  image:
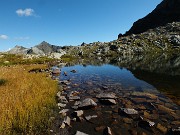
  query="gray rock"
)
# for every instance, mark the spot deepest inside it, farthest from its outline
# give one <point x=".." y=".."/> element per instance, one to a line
<point x="146" y="123"/>
<point x="73" y="71"/>
<point x="129" y="111"/>
<point x="60" y="105"/>
<point x="65" y="82"/>
<point x="37" y="51"/>
<point x="78" y="113"/>
<point x="62" y="99"/>
<point x="80" y="133"/>
<point x="77" y="103"/>
<point x="74" y="98"/>
<point x="58" y="94"/>
<point x="106" y="96"/>
<point x="74" y="107"/>
<point x="88" y="102"/>
<point x="56" y="70"/>
<point x="63" y="112"/>
<point x="108" y="101"/>
<point x="90" y="117"/>
<point x="177" y="130"/>
<point x="67" y="121"/>
<point x="175" y="40"/>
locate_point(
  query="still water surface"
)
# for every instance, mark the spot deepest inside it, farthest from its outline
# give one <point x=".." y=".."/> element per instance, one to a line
<point x="105" y="75"/>
<point x="90" y="80"/>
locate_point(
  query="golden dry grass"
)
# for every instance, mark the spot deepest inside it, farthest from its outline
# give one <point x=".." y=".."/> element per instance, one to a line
<point x="26" y="100"/>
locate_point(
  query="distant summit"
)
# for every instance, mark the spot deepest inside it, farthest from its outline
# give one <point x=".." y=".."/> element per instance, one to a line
<point x="19" y="50"/>
<point x="43" y="48"/>
<point x="47" y="48"/>
<point x="166" y="12"/>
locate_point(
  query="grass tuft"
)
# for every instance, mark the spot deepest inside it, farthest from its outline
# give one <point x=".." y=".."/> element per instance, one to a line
<point x="2" y="82"/>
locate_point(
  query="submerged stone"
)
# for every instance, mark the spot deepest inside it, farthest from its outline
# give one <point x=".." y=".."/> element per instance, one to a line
<point x="161" y="128"/>
<point x="106" y="96"/>
<point x="80" y="133"/>
<point x="175" y="131"/>
<point x="78" y="113"/>
<point x="127" y="120"/>
<point x="144" y="94"/>
<point x="73" y="71"/>
<point x="129" y="111"/>
<point x="100" y="128"/>
<point x="108" y="101"/>
<point x="90" y="117"/>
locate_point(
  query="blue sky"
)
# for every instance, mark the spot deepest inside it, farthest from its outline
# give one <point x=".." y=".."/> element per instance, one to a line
<point x="67" y="22"/>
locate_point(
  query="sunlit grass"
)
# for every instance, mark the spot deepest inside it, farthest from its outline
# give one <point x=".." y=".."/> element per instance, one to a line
<point x="13" y="59"/>
<point x="26" y="100"/>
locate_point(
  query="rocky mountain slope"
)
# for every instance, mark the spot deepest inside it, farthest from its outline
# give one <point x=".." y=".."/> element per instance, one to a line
<point x="46" y="48"/>
<point x="19" y="50"/>
<point x="42" y="49"/>
<point x="163" y="39"/>
<point x="167" y="11"/>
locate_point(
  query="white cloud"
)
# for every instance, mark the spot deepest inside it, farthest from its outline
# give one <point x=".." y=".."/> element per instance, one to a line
<point x="25" y="12"/>
<point x="3" y="37"/>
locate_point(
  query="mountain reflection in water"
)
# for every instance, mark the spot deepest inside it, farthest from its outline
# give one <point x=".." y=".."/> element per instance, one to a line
<point x="159" y="71"/>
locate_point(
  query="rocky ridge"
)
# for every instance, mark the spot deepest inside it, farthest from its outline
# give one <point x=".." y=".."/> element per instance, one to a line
<point x="158" y="40"/>
<point x="166" y="12"/>
<point x="42" y="49"/>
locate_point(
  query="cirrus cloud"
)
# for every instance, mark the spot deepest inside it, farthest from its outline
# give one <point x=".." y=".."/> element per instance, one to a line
<point x="4" y="37"/>
<point x="25" y="12"/>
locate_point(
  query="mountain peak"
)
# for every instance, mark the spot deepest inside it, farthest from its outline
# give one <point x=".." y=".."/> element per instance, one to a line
<point x="44" y="42"/>
<point x="166" y="12"/>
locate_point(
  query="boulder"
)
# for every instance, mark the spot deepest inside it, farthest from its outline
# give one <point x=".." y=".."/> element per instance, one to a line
<point x="88" y="102"/>
<point x="60" y="105"/>
<point x="78" y="113"/>
<point x="56" y="70"/>
<point x="63" y="112"/>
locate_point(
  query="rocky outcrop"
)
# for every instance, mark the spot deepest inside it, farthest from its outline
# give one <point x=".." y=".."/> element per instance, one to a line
<point x="46" y="48"/>
<point x="166" y="12"/>
<point x="43" y="49"/>
<point x="19" y="50"/>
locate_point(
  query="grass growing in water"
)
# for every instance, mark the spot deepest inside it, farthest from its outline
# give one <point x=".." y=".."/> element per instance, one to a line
<point x="26" y="100"/>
